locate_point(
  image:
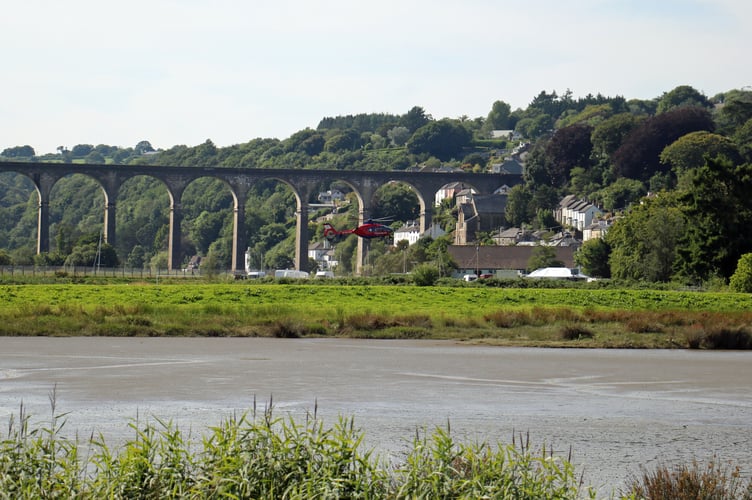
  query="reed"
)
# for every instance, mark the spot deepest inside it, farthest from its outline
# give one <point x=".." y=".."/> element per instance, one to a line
<point x="261" y="455"/>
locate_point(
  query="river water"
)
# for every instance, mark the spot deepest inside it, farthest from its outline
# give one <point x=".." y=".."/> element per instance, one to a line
<point x="615" y="409"/>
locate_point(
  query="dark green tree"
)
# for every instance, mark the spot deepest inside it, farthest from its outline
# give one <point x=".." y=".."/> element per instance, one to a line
<point x="718" y="207"/>
<point x="683" y="95"/>
<point x="621" y="193"/>
<point x="396" y="201"/>
<point x="592" y="257"/>
<point x="645" y="241"/>
<point x="81" y="150"/>
<point x="569" y="147"/>
<point x="415" y="119"/>
<point x="609" y="134"/>
<point x="349" y="140"/>
<point x="517" y="211"/>
<point x="136" y="258"/>
<point x="443" y="139"/>
<point x="207" y="228"/>
<point x="18" y="152"/>
<point x="499" y="118"/>
<point x="743" y="140"/>
<point x="543" y="256"/>
<point x="143" y="147"/>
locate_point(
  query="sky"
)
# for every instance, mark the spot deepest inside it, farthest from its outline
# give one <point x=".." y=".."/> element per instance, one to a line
<point x="179" y="72"/>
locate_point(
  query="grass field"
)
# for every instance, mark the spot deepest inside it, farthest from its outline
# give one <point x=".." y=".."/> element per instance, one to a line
<point x="504" y="316"/>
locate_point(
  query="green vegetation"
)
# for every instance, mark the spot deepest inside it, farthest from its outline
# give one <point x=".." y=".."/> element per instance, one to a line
<point x="261" y="455"/>
<point x="571" y="317"/>
<point x="688" y="152"/>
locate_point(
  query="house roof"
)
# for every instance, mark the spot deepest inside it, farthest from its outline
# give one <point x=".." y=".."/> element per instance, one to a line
<point x="490" y="204"/>
<point x="502" y="257"/>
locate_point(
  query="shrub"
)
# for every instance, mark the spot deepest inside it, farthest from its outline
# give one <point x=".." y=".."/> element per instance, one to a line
<point x="741" y="280"/>
<point x="263" y="456"/>
<point x="425" y="275"/>
<point x="696" y="482"/>
<point x="575" y="332"/>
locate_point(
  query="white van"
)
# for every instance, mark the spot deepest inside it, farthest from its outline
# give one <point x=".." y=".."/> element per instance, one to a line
<point x="290" y="273"/>
<point x="324" y="274"/>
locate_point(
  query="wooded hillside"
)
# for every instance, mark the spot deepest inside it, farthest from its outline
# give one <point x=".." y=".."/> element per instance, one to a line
<point x="691" y="152"/>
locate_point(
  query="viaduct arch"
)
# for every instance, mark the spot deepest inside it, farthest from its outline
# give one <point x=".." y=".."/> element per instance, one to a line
<point x="240" y="180"/>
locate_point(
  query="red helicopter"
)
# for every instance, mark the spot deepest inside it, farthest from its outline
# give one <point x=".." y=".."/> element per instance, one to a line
<point x="368" y="230"/>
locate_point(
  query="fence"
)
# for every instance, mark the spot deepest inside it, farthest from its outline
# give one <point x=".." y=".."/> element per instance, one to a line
<point x="104" y="272"/>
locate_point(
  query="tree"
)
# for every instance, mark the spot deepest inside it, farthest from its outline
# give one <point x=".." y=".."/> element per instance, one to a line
<point x="536" y="126"/>
<point x="425" y="275"/>
<point x="592" y="257"/>
<point x="415" y="119"/>
<point x="396" y="201"/>
<point x="683" y="95"/>
<point x="136" y="258"/>
<point x="621" y="193"/>
<point x="308" y="141"/>
<point x="718" y="207"/>
<point x="143" y="147"/>
<point x="645" y="241"/>
<point x="569" y="147"/>
<point x="735" y="112"/>
<point x="81" y="150"/>
<point x="206" y="229"/>
<point x="443" y="139"/>
<point x="543" y="256"/>
<point x="499" y="118"/>
<point x="5" y="259"/>
<point x="517" y="211"/>
<point x="743" y="140"/>
<point x="741" y="280"/>
<point x="689" y="151"/>
<point x="18" y="152"/>
<point x="398" y="135"/>
<point x="638" y="156"/>
<point x="93" y="254"/>
<point x="349" y="140"/>
<point x="609" y="134"/>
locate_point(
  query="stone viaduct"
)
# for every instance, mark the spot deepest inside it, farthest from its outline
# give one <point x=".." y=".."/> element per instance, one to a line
<point x="239" y="180"/>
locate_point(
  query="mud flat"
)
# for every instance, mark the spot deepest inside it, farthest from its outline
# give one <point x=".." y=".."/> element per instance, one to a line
<point x="616" y="409"/>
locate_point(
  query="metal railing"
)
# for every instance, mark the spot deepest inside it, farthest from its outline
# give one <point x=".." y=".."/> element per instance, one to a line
<point x="104" y="272"/>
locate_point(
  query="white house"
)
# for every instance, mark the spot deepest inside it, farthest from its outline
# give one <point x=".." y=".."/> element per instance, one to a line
<point x="576" y="213"/>
<point x="323" y="253"/>
<point x="411" y="232"/>
<point x="331" y="196"/>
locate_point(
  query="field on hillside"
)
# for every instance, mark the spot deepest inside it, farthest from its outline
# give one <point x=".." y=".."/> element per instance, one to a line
<point x="566" y="317"/>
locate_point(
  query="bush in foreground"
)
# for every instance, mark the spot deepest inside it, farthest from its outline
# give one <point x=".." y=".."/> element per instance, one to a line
<point x="267" y="457"/>
<point x="263" y="456"/>
<point x="713" y="481"/>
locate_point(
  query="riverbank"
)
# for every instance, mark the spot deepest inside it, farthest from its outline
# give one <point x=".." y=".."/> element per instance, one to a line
<point x="567" y="317"/>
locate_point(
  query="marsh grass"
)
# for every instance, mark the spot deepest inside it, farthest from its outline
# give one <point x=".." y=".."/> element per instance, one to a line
<point x="261" y="455"/>
<point x="712" y="481"/>
<point x="533" y="317"/>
